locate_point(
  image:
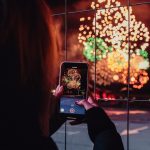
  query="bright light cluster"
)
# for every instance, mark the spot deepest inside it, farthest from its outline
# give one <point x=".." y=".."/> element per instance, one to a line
<point x="106" y="75"/>
<point x="109" y="29"/>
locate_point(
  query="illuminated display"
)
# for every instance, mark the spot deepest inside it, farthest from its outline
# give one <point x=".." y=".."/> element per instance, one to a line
<point x="105" y="40"/>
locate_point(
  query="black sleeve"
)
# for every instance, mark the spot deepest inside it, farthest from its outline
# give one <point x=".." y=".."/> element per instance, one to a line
<point x="56" y="119"/>
<point x="102" y="130"/>
<point x="98" y="122"/>
<point x="108" y="140"/>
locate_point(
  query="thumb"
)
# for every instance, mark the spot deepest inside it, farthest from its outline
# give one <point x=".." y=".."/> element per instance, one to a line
<point x="85" y="104"/>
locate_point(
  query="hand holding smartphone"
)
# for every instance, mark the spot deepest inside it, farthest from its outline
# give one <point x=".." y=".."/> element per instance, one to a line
<point x="74" y="79"/>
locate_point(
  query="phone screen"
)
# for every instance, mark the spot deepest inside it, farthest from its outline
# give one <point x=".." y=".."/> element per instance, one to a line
<point x="73" y="77"/>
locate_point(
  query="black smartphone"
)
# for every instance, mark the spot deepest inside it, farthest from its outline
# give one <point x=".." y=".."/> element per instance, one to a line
<point x="74" y="78"/>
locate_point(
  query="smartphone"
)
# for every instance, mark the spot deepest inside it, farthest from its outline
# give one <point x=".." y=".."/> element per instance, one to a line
<point x="74" y="78"/>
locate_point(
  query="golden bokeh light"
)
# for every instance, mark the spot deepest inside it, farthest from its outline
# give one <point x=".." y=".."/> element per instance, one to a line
<point x="111" y="26"/>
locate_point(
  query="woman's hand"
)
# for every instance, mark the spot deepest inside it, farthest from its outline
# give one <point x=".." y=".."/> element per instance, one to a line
<point x="87" y="104"/>
<point x="59" y="91"/>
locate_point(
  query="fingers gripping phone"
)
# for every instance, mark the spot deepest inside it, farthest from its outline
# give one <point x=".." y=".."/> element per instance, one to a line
<point x="74" y="78"/>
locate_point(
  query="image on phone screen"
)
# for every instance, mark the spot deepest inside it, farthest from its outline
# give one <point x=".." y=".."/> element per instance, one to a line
<point x="73" y="77"/>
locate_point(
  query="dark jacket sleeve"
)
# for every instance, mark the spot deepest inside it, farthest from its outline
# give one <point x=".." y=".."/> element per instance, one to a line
<point x="56" y="119"/>
<point x="102" y="130"/>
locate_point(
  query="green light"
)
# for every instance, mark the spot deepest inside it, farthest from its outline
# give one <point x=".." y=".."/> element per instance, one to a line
<point x="95" y="49"/>
<point x="144" y="53"/>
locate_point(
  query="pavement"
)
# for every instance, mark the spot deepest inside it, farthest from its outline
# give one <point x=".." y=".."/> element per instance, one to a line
<point x="139" y="131"/>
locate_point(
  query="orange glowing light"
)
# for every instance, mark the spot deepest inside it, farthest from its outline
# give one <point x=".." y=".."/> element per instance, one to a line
<point x="116" y="77"/>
